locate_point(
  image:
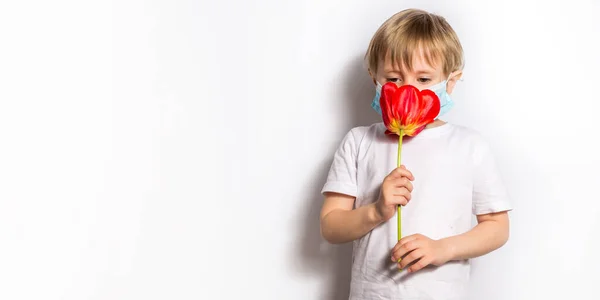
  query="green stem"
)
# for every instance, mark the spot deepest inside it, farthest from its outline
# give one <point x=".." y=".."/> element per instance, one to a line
<point x="399" y="164"/>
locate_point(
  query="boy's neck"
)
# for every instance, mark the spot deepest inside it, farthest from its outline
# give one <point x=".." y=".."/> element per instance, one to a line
<point x="435" y="124"/>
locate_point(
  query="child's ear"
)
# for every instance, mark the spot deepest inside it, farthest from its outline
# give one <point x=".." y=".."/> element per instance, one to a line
<point x="372" y="77"/>
<point x="454" y="77"/>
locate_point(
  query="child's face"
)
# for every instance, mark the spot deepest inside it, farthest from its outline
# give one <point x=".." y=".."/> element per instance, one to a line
<point x="422" y="75"/>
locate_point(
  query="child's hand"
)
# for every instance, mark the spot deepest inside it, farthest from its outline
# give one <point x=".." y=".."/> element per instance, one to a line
<point x="395" y="191"/>
<point x="420" y="250"/>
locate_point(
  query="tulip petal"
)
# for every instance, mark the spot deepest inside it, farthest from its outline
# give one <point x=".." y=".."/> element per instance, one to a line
<point x="406" y="110"/>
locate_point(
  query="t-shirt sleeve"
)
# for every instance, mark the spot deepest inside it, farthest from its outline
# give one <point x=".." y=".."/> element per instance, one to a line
<point x="342" y="173"/>
<point x="489" y="192"/>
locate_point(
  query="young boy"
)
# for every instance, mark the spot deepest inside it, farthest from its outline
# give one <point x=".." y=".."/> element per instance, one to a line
<point x="448" y="174"/>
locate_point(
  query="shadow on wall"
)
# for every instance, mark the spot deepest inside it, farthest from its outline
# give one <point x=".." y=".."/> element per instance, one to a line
<point x="319" y="258"/>
<point x="359" y="91"/>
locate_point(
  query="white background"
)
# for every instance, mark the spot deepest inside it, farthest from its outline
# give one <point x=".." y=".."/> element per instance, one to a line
<point x="176" y="149"/>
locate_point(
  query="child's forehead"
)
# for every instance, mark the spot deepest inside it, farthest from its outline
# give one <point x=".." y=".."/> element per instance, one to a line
<point x="417" y="61"/>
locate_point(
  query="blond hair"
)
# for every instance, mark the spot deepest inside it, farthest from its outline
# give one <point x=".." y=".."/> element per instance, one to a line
<point x="414" y="31"/>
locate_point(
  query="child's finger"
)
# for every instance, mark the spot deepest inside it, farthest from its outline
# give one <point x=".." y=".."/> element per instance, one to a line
<point x="400" y="172"/>
<point x="420" y="264"/>
<point x="400" y="182"/>
<point x="405" y="245"/>
<point x="408" y="172"/>
<point x="403" y="182"/>
<point x="410" y="258"/>
<point x="400" y="200"/>
<point x="402" y="191"/>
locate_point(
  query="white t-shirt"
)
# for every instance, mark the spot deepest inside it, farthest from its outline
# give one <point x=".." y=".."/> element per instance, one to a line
<point x="455" y="177"/>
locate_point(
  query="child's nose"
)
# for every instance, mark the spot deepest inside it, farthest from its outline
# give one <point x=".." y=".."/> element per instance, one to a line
<point x="412" y="82"/>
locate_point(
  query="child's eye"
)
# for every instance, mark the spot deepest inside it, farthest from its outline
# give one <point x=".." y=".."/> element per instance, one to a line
<point x="393" y="79"/>
<point x="424" y="80"/>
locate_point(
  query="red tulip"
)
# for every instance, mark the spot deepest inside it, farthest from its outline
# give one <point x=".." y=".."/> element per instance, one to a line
<point x="406" y="111"/>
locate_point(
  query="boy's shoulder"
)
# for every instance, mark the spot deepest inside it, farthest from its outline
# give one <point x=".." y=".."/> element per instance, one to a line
<point x="476" y="143"/>
<point x="358" y="133"/>
<point x="475" y="136"/>
<point x="362" y="130"/>
<point x="467" y="132"/>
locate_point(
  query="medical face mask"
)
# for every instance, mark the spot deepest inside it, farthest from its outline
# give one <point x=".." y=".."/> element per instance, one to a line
<point x="439" y="89"/>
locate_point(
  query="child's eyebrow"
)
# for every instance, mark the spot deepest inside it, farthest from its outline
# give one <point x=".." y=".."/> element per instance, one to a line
<point x="417" y="72"/>
<point x="425" y="71"/>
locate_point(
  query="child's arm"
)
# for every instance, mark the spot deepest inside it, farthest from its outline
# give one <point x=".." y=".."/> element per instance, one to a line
<point x="340" y="223"/>
<point x="490" y="205"/>
<point x="419" y="251"/>
<point x="491" y="233"/>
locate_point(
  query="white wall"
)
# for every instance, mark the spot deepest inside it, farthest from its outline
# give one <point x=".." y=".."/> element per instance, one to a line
<point x="176" y="149"/>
